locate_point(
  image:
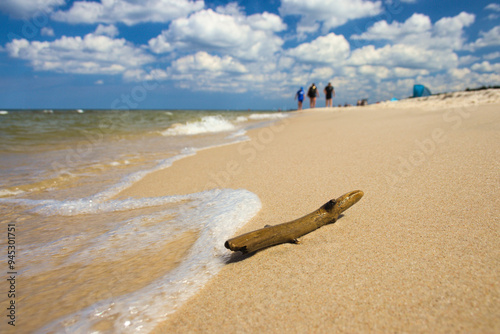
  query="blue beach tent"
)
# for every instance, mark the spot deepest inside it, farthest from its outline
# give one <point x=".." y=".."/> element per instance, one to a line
<point x="420" y="90"/>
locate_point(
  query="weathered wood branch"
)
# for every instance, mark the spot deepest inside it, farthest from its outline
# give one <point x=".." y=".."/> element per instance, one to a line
<point x="290" y="231"/>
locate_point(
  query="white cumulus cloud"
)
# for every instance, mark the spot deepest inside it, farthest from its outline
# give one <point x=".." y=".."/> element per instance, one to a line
<point x="418" y="30"/>
<point x="224" y="31"/>
<point x="47" y="31"/>
<point x="127" y="11"/>
<point x="332" y="49"/>
<point x="492" y="55"/>
<point x="485" y="66"/>
<point x="489" y="38"/>
<point x="203" y="71"/>
<point x="204" y="62"/>
<point x="330" y="13"/>
<point x="92" y="54"/>
<point x="460" y="78"/>
<point x="28" y="8"/>
<point x="449" y="31"/>
<point x="414" y="48"/>
<point x="139" y="74"/>
<point x="404" y="56"/>
<point x="493" y="6"/>
<point x="417" y="24"/>
<point x="110" y="30"/>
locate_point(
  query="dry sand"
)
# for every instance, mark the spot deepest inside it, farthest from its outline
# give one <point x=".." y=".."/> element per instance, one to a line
<point x="419" y="253"/>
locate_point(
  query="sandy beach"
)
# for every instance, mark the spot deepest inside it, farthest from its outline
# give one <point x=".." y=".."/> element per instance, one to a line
<point x="419" y="253"/>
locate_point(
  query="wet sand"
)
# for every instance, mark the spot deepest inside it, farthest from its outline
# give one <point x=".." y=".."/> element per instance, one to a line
<point x="419" y="253"/>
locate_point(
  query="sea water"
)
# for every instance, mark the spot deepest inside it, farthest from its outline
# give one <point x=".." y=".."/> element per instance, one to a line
<point x="88" y="262"/>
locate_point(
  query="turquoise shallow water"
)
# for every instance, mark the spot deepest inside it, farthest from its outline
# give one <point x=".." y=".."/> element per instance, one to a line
<point x="60" y="171"/>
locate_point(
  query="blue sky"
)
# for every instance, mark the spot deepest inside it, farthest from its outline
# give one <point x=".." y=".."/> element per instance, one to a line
<point x="185" y="54"/>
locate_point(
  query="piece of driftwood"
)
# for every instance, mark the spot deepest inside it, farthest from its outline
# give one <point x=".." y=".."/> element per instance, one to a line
<point x="289" y="232"/>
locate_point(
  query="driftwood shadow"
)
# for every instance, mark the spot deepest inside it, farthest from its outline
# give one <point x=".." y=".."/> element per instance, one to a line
<point x="239" y="256"/>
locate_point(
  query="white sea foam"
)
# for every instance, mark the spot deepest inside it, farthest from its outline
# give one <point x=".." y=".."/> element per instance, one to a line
<point x="215" y="214"/>
<point x="119" y="163"/>
<point x="208" y="124"/>
<point x="95" y="202"/>
<point x="133" y="178"/>
<point x="239" y="135"/>
<point x="6" y="192"/>
<point x="267" y="116"/>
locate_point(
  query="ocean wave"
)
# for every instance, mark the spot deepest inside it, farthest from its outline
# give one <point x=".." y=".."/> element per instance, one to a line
<point x="7" y="192"/>
<point x="269" y="116"/>
<point x="208" y="124"/>
<point x="240" y="135"/>
<point x="215" y="215"/>
<point x="241" y="119"/>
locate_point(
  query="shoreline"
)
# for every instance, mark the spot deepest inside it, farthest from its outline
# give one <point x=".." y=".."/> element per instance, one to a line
<point x="418" y="253"/>
<point x="76" y="233"/>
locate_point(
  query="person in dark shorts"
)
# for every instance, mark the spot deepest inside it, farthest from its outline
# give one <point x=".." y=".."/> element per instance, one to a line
<point x="312" y="93"/>
<point x="300" y="97"/>
<point x="329" y="94"/>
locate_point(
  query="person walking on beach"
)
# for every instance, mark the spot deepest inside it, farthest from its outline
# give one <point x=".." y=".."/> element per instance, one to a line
<point x="300" y="97"/>
<point x="312" y="93"/>
<point x="329" y="94"/>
